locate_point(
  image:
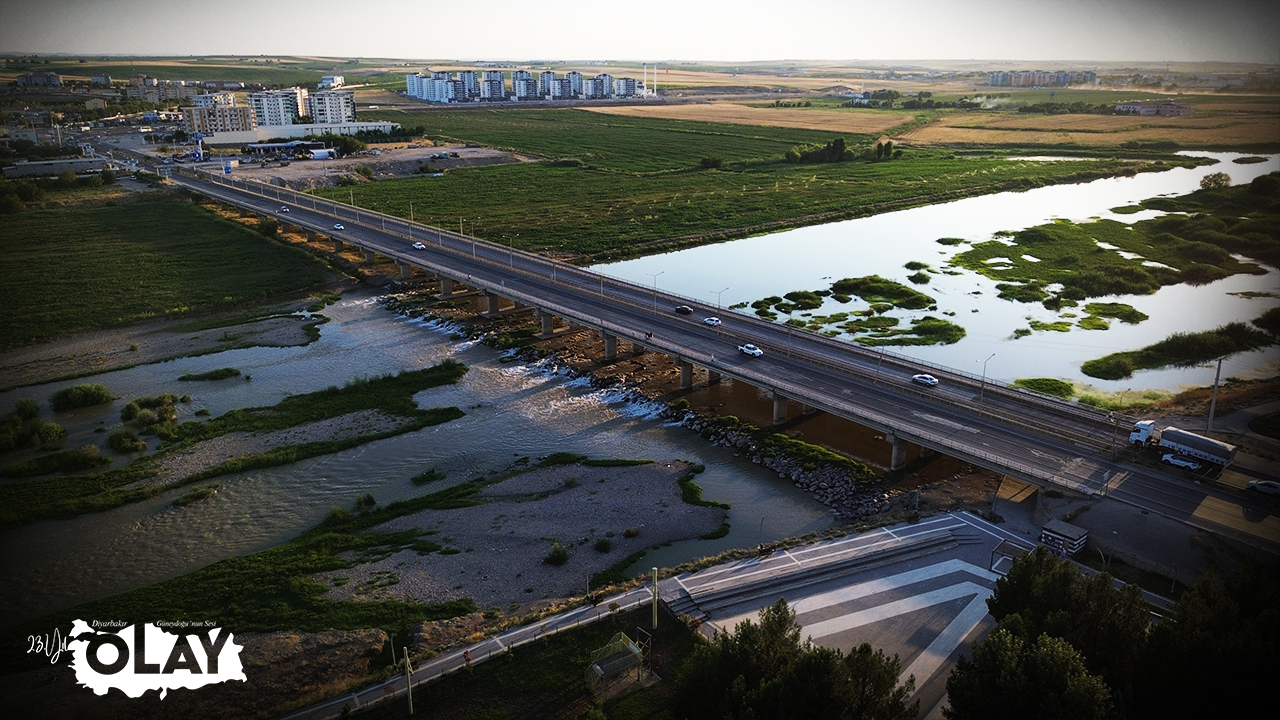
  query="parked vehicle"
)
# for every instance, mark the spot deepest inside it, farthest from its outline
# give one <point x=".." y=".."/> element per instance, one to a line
<point x="1182" y="442"/>
<point x="1181" y="461"/>
<point x="924" y="380"/>
<point x="750" y="349"/>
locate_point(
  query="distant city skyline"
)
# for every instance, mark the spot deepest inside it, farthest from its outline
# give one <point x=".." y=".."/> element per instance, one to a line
<point x="1100" y="31"/>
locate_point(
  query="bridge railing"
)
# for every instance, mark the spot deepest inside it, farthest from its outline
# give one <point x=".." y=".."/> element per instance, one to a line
<point x="630" y="293"/>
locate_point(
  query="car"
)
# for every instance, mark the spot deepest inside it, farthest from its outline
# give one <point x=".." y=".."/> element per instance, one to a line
<point x="684" y="310"/>
<point x="1181" y="461"/>
<point x="419" y="246"/>
<point x="284" y="208"/>
<point x="339" y="226"/>
<point x="712" y="321"/>
<point x="923" y="379"/>
<point x="750" y="349"/>
<point x="1271" y="487"/>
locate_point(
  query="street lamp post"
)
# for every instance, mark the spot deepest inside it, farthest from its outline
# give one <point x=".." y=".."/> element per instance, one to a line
<point x="982" y="392"/>
<point x="717" y="294"/>
<point x="1115" y="423"/>
<point x="655" y="288"/>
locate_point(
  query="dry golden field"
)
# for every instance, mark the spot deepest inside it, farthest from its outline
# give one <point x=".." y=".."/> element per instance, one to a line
<point x="848" y="121"/>
<point x="1095" y="130"/>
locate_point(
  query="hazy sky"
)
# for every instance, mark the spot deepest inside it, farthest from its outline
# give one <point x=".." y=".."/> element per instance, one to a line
<point x="731" y="30"/>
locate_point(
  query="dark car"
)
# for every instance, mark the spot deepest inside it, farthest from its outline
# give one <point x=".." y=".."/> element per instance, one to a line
<point x="684" y="309"/>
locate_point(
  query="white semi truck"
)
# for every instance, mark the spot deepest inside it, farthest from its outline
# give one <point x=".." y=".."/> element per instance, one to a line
<point x="1183" y="442"/>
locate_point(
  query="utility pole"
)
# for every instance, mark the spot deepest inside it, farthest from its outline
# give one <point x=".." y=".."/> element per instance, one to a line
<point x="1213" y="402"/>
<point x="655" y="598"/>
<point x="408" y="679"/>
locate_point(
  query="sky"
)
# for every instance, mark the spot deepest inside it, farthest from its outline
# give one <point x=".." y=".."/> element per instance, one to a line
<point x="1113" y="31"/>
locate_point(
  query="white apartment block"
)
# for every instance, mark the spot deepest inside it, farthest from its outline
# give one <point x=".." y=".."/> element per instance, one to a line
<point x="278" y="107"/>
<point x="544" y="83"/>
<point x="470" y="80"/>
<point x="575" y="83"/>
<point x="493" y="85"/>
<point x="214" y="100"/>
<point x="561" y="89"/>
<point x="329" y="107"/>
<point x="624" y="87"/>
<point x="525" y="89"/>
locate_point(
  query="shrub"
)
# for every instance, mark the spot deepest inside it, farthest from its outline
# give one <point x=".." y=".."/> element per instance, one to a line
<point x="48" y="432"/>
<point x="558" y="556"/>
<point x="711" y="163"/>
<point x="27" y="409"/>
<point x="366" y="502"/>
<point x="1215" y="181"/>
<point x="1048" y="386"/>
<point x="631" y="532"/>
<point x="78" y="396"/>
<point x="125" y="441"/>
<point x="604" y="545"/>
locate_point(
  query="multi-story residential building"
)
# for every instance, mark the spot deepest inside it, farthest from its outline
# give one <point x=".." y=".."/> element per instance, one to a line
<point x="327" y="107"/>
<point x="624" y="87"/>
<point x="214" y="100"/>
<point x="470" y="80"/>
<point x="562" y="89"/>
<point x="544" y="83"/>
<point x="575" y="83"/>
<point x="211" y="119"/>
<point x="525" y="88"/>
<point x="278" y="107"/>
<point x="598" y="87"/>
<point x="493" y="85"/>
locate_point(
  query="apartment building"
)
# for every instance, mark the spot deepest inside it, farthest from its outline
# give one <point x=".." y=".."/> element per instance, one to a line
<point x="329" y="107"/>
<point x="278" y="107"/>
<point x="211" y="119"/>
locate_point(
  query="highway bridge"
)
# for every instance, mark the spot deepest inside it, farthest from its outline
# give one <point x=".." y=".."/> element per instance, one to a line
<point x="1023" y="435"/>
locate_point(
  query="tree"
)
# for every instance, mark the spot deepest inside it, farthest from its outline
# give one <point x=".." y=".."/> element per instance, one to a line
<point x="765" y="670"/>
<point x="1009" y="678"/>
<point x="1106" y="625"/>
<point x="1215" y="181"/>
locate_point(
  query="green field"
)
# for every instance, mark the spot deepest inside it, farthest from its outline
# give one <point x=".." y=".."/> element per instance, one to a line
<point x="627" y="186"/>
<point x="86" y="268"/>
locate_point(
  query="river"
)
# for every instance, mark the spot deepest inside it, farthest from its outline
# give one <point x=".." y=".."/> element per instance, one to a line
<point x="515" y="410"/>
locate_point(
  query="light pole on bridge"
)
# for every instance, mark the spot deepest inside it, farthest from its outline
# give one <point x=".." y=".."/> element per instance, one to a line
<point x="982" y="392"/>
<point x="655" y="289"/>
<point x="717" y="294"/>
<point x="1115" y="423"/>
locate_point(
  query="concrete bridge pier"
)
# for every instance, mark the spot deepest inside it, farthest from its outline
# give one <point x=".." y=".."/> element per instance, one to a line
<point x="686" y="374"/>
<point x="339" y="246"/>
<point x="491" y="303"/>
<point x="446" y="286"/>
<point x="406" y="271"/>
<point x="610" y="345"/>
<point x="926" y="452"/>
<point x="779" y="408"/>
<point x="369" y="255"/>
<point x="713" y="377"/>
<point x="548" y="323"/>
<point x="638" y="349"/>
<point x="807" y="409"/>
<point x="898" y="459"/>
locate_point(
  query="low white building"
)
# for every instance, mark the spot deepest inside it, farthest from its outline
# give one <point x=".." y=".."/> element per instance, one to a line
<point x="332" y="81"/>
<point x="264" y="133"/>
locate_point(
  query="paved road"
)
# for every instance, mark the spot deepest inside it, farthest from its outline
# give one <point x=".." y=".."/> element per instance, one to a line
<point x="1017" y="433"/>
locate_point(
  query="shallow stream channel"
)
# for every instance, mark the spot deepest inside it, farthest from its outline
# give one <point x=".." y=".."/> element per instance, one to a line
<point x="512" y="410"/>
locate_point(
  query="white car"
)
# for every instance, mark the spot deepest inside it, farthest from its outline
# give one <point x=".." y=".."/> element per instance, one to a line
<point x="419" y="246"/>
<point x="1180" y="461"/>
<point x="750" y="349"/>
<point x="284" y="208"/>
<point x="712" y="321"/>
<point x="924" y="380"/>
<point x="1271" y="487"/>
<point x="339" y="226"/>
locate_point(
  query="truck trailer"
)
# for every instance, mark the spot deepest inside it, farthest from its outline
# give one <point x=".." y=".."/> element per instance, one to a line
<point x="1180" y="441"/>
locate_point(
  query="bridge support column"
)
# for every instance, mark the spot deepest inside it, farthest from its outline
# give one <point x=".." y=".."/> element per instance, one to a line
<point x="368" y="256"/>
<point x="406" y="271"/>
<point x="491" y="303"/>
<point x="713" y="377"/>
<point x="926" y="452"/>
<point x="898" y="459"/>
<point x="638" y="349"/>
<point x="807" y="410"/>
<point x="339" y="246"/>
<point x="548" y="322"/>
<point x="610" y="345"/>
<point x="779" y="408"/>
<point x="446" y="286"/>
<point x="686" y="374"/>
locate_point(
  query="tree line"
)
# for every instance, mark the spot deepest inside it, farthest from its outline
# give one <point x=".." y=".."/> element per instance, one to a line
<point x="838" y="151"/>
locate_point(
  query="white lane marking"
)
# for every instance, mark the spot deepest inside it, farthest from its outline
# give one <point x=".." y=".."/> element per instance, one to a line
<point x="932" y="658"/>
<point x="894" y="609"/>
<point x="871" y="587"/>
